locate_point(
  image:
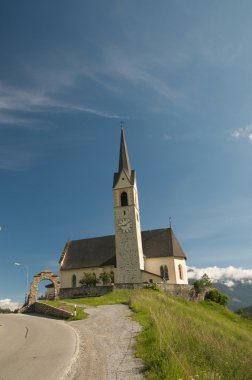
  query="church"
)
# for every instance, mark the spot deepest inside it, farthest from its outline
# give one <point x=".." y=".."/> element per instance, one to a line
<point x="134" y="256"/>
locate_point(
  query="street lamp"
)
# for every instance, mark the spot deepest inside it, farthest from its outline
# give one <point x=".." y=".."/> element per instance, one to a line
<point x="27" y="278"/>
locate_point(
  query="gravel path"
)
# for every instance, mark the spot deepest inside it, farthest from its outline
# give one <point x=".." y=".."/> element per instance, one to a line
<point x="106" y="345"/>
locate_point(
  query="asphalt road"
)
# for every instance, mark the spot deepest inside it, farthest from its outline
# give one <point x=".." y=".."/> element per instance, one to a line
<point x="34" y="347"/>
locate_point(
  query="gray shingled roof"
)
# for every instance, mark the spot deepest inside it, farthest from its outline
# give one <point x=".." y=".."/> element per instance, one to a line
<point x="100" y="251"/>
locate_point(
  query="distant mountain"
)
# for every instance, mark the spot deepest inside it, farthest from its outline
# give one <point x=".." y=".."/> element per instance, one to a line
<point x="240" y="295"/>
<point x="235" y="282"/>
<point x="248" y="311"/>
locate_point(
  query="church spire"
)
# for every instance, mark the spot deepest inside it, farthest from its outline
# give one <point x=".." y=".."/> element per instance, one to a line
<point x="124" y="163"/>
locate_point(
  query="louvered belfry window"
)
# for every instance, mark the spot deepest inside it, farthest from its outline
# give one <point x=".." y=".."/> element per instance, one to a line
<point x="124" y="199"/>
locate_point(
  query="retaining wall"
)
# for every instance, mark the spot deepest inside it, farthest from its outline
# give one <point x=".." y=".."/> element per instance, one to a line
<point x="43" y="308"/>
<point x="82" y="291"/>
<point x="130" y="286"/>
<point x="182" y="291"/>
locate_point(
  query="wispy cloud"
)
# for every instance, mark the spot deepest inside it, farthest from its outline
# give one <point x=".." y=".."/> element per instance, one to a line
<point x="146" y="73"/>
<point x="243" y="133"/>
<point x="9" y="304"/>
<point x="23" y="100"/>
<point x="11" y="119"/>
<point x="74" y="108"/>
<point x="138" y="75"/>
<point x="227" y="275"/>
<point x="14" y="159"/>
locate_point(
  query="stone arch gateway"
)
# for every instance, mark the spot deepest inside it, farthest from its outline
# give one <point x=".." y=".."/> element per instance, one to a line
<point x="44" y="275"/>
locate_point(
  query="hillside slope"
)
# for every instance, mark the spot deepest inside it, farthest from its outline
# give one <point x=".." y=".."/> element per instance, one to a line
<point x="184" y="340"/>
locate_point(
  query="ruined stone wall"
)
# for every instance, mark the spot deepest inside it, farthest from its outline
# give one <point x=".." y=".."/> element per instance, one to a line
<point x="44" y="275"/>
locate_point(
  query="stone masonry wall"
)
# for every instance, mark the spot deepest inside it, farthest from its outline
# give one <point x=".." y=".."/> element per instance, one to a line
<point x="82" y="291"/>
<point x="182" y="291"/>
<point x="128" y="247"/>
<point x="186" y="292"/>
<point x="130" y="286"/>
<point x="44" y="275"/>
<point x="42" y="308"/>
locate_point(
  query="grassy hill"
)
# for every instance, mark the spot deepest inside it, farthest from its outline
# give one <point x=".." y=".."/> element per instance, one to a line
<point x="184" y="340"/>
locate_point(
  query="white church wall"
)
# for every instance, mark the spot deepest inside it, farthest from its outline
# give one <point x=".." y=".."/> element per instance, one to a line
<point x="150" y="277"/>
<point x="153" y="265"/>
<point x="181" y="262"/>
<point x="66" y="277"/>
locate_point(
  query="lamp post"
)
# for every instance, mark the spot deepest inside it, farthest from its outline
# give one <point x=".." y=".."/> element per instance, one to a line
<point x="27" y="278"/>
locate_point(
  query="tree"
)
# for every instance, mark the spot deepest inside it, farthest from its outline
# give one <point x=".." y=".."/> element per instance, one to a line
<point x="88" y="279"/>
<point x="202" y="284"/>
<point x="216" y="296"/>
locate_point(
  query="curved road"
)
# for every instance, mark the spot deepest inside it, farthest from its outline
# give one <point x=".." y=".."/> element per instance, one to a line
<point x="34" y="347"/>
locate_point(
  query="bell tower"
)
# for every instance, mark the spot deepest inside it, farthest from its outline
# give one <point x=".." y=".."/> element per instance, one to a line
<point x="128" y="240"/>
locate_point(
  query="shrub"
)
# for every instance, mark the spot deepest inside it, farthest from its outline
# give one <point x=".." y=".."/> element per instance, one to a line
<point x="88" y="279"/>
<point x="216" y="296"/>
<point x="106" y="278"/>
<point x="239" y="312"/>
<point x="5" y="311"/>
<point x="202" y="284"/>
<point x="112" y="276"/>
<point x="153" y="286"/>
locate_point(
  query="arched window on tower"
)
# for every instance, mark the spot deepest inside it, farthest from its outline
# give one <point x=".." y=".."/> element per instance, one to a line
<point x="180" y="272"/>
<point x="166" y="273"/>
<point x="74" y="281"/>
<point x="162" y="271"/>
<point x="124" y="199"/>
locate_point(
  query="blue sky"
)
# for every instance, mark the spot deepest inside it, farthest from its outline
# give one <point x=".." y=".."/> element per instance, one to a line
<point x="178" y="73"/>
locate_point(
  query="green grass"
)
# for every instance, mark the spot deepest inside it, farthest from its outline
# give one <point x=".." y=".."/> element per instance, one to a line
<point x="184" y="340"/>
<point x="117" y="296"/>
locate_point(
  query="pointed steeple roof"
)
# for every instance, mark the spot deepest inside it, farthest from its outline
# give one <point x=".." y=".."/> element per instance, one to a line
<point x="124" y="163"/>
